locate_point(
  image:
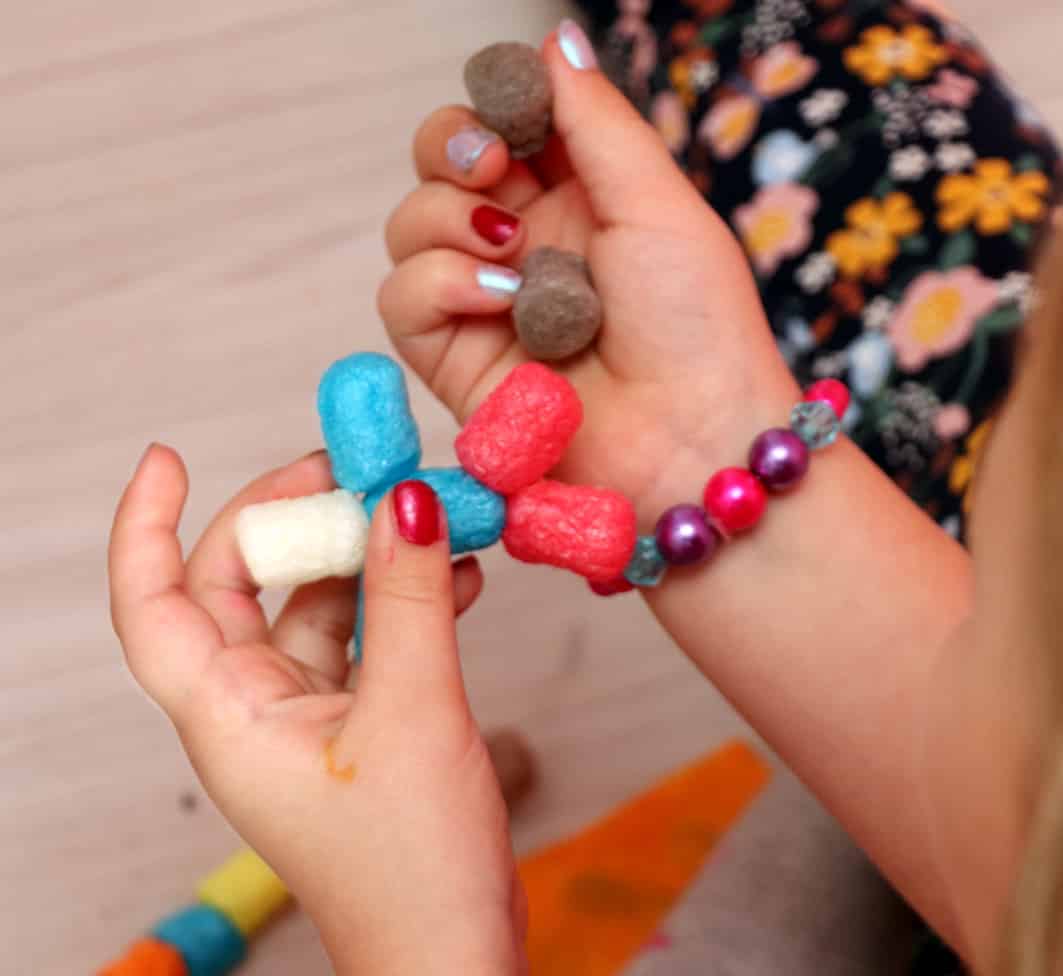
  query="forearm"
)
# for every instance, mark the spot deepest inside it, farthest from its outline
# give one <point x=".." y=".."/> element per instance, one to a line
<point x="822" y="626"/>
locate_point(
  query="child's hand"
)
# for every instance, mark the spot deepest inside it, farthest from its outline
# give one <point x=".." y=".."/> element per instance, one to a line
<point x="379" y="807"/>
<point x="667" y="388"/>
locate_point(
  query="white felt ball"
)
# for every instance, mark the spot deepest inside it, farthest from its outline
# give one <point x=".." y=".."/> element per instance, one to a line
<point x="300" y="540"/>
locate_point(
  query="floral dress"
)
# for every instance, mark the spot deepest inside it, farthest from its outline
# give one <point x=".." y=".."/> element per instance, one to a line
<point x="890" y="189"/>
<point x="888" y="186"/>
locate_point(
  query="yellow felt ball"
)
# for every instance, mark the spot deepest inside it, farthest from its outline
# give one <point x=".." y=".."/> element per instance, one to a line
<point x="245" y="890"/>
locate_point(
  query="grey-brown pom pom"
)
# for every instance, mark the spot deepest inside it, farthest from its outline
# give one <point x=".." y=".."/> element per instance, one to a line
<point x="511" y="92"/>
<point x="557" y="311"/>
<point x="514" y="765"/>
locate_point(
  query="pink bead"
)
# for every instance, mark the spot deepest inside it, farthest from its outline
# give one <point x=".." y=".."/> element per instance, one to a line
<point x="834" y="392"/>
<point x="612" y="587"/>
<point x="590" y="531"/>
<point x="521" y="430"/>
<point x="735" y="500"/>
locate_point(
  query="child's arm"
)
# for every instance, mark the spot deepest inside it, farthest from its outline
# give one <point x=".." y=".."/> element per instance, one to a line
<point x="378" y="807"/>
<point x="823" y="624"/>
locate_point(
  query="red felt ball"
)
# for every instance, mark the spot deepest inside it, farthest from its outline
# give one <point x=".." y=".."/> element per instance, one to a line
<point x="521" y="430"/>
<point x="590" y="531"/>
<point x="611" y="587"/>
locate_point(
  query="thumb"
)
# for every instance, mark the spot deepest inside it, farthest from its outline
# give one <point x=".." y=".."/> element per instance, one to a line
<point x="623" y="163"/>
<point x="410" y="645"/>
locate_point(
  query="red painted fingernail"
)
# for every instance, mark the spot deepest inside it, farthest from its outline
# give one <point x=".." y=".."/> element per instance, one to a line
<point x="416" y="512"/>
<point x="495" y="226"/>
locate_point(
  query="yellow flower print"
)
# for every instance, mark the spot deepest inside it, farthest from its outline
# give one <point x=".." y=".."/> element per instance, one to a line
<point x="692" y="74"/>
<point x="730" y="125"/>
<point x="869" y="243"/>
<point x="992" y="197"/>
<point x="964" y="468"/>
<point x="884" y="54"/>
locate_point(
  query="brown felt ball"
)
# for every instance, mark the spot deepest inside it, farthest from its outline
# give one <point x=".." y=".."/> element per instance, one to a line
<point x="511" y="92"/>
<point x="557" y="311"/>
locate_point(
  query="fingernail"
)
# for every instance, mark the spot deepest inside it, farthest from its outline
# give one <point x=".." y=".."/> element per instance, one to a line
<point x="416" y="513"/>
<point x="466" y="147"/>
<point x="495" y="226"/>
<point x="575" y="46"/>
<point x="498" y="281"/>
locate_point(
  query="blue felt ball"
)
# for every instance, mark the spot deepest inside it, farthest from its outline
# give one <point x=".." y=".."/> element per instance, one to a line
<point x="209" y="943"/>
<point x="359" y="627"/>
<point x="476" y="515"/>
<point x="369" y="431"/>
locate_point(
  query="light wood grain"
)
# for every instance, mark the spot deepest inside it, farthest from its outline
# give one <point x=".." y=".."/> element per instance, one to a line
<point x="191" y="203"/>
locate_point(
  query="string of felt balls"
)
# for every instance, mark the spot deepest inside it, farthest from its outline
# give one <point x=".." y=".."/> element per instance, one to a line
<point x="510" y="443"/>
<point x="499" y="490"/>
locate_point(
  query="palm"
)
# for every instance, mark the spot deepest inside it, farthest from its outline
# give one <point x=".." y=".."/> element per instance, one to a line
<point x="669" y="367"/>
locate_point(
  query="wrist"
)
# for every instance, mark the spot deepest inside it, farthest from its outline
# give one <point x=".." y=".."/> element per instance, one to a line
<point x="716" y="437"/>
<point x="446" y="947"/>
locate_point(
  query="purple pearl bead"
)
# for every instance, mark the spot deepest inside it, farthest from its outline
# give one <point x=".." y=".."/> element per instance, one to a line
<point x="684" y="535"/>
<point x="779" y="458"/>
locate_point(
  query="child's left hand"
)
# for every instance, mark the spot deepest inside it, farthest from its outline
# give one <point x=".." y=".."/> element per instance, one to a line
<point x="379" y="806"/>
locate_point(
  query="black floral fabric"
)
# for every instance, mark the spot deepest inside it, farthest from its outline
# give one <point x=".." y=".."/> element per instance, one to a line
<point x="889" y="187"/>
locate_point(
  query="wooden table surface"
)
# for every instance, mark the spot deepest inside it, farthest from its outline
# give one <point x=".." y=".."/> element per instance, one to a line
<point x="191" y="203"/>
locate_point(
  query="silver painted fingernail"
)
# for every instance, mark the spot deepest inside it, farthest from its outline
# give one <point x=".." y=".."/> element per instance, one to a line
<point x="575" y="46"/>
<point x="498" y="281"/>
<point x="466" y="147"/>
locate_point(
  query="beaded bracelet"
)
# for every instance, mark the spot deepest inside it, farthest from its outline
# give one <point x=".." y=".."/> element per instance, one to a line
<point x="735" y="498"/>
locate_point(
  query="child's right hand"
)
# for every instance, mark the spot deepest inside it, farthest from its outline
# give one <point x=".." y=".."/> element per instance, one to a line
<point x="667" y="387"/>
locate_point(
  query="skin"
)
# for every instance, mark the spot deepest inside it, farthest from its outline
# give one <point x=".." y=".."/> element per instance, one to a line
<point x="374" y="804"/>
<point x="845" y="627"/>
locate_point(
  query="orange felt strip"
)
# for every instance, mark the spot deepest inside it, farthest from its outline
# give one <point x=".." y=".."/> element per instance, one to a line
<point x="596" y="899"/>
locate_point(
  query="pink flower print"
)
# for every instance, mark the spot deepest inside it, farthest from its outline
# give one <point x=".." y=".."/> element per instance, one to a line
<point x="777" y="224"/>
<point x="952" y="88"/>
<point x="938" y="315"/>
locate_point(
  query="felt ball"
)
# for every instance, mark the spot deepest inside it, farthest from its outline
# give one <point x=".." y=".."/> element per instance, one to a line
<point x="365" y="416"/>
<point x="514" y="764"/>
<point x="148" y="957"/>
<point x="209" y="943"/>
<point x="476" y="515"/>
<point x="300" y="540"/>
<point x="521" y="430"/>
<point x="245" y="890"/>
<point x="590" y="531"/>
<point x="612" y="587"/>
<point x="354" y="649"/>
<point x="511" y="91"/>
<point x="557" y="312"/>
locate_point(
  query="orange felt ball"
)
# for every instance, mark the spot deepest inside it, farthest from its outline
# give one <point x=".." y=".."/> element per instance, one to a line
<point x="148" y="957"/>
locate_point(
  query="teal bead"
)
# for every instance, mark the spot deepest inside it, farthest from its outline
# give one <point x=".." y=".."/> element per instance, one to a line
<point x="208" y="942"/>
<point x="815" y="423"/>
<point x="647" y="566"/>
